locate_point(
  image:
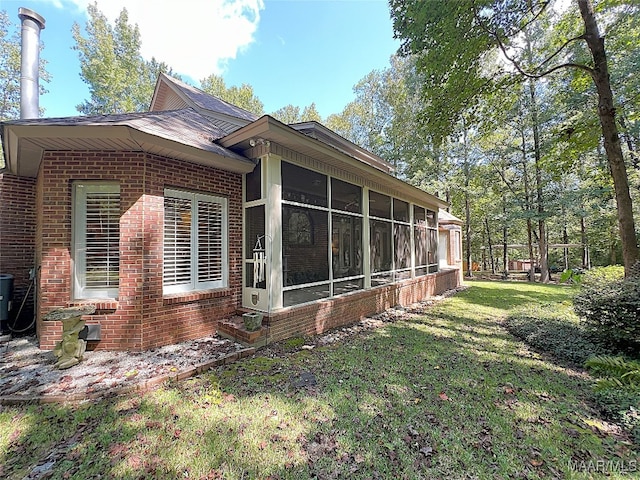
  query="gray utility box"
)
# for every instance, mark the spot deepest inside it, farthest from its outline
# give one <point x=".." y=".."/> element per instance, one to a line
<point x="6" y="296"/>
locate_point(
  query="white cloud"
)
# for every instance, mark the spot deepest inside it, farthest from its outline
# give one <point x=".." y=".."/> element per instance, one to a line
<point x="194" y="37"/>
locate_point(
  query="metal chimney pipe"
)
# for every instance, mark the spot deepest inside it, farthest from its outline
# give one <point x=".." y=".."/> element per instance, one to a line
<point x="32" y="23"/>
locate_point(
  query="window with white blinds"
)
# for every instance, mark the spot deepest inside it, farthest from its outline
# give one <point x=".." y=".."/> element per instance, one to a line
<point x="96" y="240"/>
<point x="195" y="242"/>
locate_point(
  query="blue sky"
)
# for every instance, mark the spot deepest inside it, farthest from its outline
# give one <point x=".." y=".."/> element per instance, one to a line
<point x="291" y="51"/>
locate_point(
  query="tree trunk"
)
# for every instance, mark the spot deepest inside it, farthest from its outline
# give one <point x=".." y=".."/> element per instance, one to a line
<point x="505" y="253"/>
<point x="527" y="197"/>
<point x="565" y="240"/>
<point x="607" y="115"/>
<point x="542" y="239"/>
<point x="633" y="153"/>
<point x="467" y="211"/>
<point x="484" y="254"/>
<point x="467" y="202"/>
<point x="493" y="264"/>
<point x="585" y="246"/>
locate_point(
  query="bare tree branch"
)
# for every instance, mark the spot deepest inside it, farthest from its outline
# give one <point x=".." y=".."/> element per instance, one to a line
<point x="520" y="70"/>
<point x="515" y="63"/>
<point x="548" y="59"/>
<point x="535" y="16"/>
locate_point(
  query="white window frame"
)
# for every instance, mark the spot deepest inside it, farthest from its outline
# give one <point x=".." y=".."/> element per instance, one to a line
<point x="194" y="284"/>
<point x="79" y="240"/>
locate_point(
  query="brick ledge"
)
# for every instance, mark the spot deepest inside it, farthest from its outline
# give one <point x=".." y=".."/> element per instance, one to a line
<point x="189" y="297"/>
<point x="103" y="305"/>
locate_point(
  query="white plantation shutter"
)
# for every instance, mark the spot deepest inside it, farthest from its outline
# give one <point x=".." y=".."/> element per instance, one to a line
<point x="177" y="241"/>
<point x="96" y="239"/>
<point x="195" y="242"/>
<point x="210" y="242"/>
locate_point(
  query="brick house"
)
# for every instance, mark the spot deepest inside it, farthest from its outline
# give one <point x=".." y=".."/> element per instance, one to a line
<point x="172" y="220"/>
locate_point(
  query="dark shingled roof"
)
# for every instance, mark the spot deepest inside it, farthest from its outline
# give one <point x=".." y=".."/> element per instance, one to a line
<point x="209" y="102"/>
<point x="185" y="126"/>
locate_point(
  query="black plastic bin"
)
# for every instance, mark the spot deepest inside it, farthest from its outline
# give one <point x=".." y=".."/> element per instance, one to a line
<point x="6" y="296"/>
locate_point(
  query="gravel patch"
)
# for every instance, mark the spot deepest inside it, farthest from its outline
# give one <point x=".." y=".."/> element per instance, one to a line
<point x="26" y="371"/>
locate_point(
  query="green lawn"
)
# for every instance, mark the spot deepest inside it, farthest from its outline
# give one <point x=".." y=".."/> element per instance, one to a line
<point x="446" y="394"/>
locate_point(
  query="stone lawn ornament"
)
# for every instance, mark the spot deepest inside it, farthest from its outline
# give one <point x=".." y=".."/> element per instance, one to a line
<point x="70" y="349"/>
<point x="252" y="321"/>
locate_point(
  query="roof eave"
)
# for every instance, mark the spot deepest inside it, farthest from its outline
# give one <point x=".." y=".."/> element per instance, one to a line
<point x="233" y="162"/>
<point x="349" y="147"/>
<point x="269" y="128"/>
<point x="29" y="162"/>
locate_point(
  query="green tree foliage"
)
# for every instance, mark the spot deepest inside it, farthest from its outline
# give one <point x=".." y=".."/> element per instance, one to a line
<point x="10" y="69"/>
<point x="450" y="49"/>
<point x="242" y="96"/>
<point x="288" y="114"/>
<point x="119" y="79"/>
<point x="385" y="118"/>
<point x="10" y="72"/>
<point x="455" y="39"/>
<point x="291" y="114"/>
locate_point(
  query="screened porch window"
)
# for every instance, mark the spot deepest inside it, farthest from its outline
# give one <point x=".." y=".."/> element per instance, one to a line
<point x="96" y="240"/>
<point x="425" y="240"/>
<point x="195" y="242"/>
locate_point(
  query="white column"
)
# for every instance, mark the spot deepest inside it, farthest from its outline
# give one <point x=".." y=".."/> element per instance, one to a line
<point x="412" y="242"/>
<point x="273" y="229"/>
<point x="366" y="238"/>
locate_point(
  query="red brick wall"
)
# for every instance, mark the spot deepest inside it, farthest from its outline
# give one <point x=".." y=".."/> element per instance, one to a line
<point x="327" y="314"/>
<point x="17" y="240"/>
<point x="141" y="318"/>
<point x="120" y="321"/>
<point x="178" y="317"/>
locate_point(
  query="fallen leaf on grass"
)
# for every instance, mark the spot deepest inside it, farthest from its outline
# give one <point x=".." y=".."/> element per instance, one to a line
<point x="135" y="462"/>
<point x="426" y="451"/>
<point x="443" y="396"/>
<point x="536" y="462"/>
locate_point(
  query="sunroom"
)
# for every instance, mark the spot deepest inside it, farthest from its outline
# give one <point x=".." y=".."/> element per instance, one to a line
<point x="324" y="218"/>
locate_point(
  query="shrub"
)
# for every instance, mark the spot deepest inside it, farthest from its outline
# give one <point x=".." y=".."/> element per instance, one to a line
<point x="554" y="329"/>
<point x="615" y="372"/>
<point x="601" y="275"/>
<point x="610" y="310"/>
<point x="573" y="275"/>
<point x="617" y="394"/>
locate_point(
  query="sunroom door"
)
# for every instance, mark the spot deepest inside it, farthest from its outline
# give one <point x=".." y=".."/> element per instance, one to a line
<point x="257" y="252"/>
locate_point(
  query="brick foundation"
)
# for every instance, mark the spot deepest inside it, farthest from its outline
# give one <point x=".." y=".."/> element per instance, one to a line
<point x="324" y="315"/>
